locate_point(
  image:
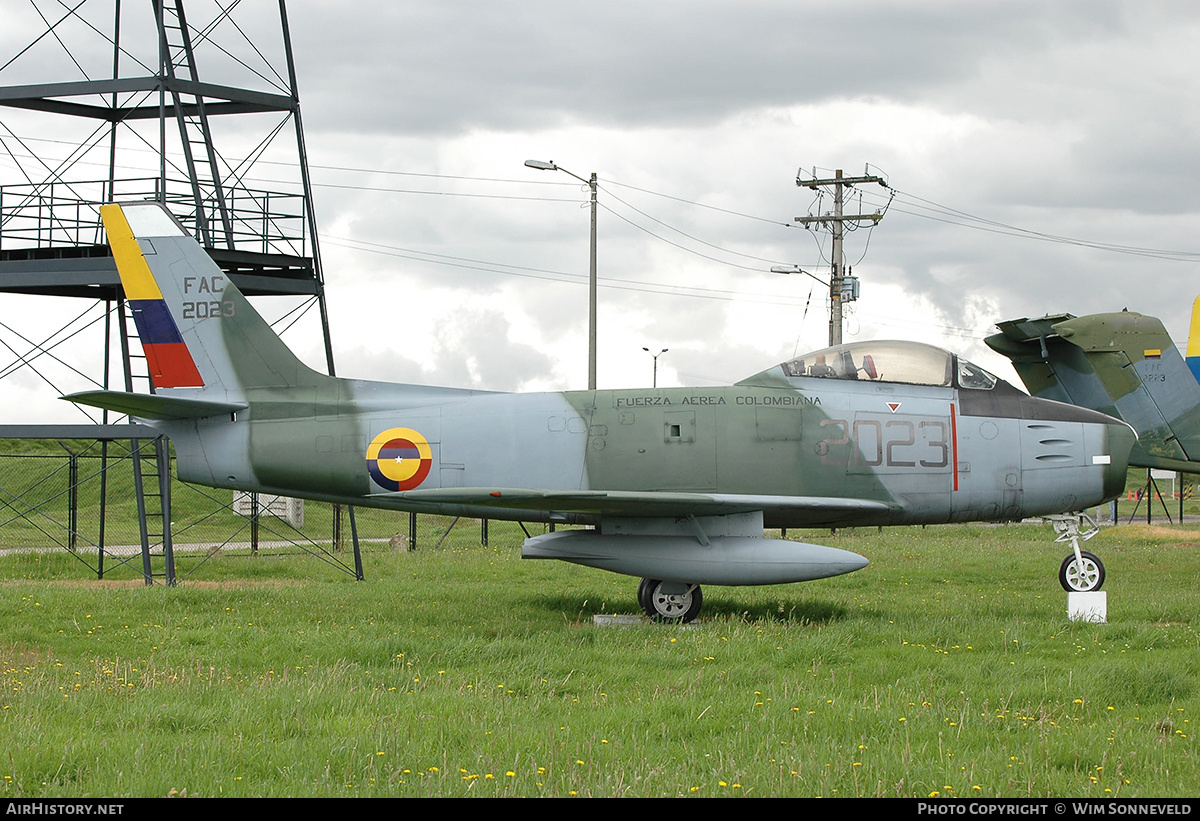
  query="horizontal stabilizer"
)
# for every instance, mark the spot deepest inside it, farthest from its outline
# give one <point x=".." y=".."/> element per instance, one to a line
<point x="151" y="406"/>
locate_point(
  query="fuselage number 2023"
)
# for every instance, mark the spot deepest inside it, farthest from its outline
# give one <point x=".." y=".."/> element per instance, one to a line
<point x="891" y="443"/>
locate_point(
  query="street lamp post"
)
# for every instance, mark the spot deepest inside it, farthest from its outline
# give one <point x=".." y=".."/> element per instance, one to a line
<point x="796" y="269"/>
<point x="550" y="166"/>
<point x="656" y="356"/>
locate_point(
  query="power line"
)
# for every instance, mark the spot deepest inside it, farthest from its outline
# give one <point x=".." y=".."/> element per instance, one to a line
<point x="685" y="234"/>
<point x="554" y="276"/>
<point x="429" y="193"/>
<point x="701" y="205"/>
<point x="953" y="216"/>
<point x="647" y="231"/>
<point x="924" y="208"/>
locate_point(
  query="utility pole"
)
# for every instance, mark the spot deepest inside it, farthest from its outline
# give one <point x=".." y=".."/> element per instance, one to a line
<point x="839" y="291"/>
<point x="592" y="184"/>
<point x="592" y="298"/>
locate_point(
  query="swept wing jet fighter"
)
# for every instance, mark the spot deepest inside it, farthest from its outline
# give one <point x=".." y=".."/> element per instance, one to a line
<point x="677" y="484"/>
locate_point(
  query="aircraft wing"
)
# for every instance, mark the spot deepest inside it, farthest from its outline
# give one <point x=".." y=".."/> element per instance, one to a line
<point x="806" y="510"/>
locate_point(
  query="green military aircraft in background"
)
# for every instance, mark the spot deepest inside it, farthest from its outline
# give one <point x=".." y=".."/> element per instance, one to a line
<point x="1123" y="364"/>
<point x="676" y="484"/>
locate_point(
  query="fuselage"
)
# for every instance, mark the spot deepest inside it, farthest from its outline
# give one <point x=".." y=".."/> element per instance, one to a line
<point x="931" y="454"/>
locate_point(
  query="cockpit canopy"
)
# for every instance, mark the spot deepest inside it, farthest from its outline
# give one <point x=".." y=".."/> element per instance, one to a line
<point x="882" y="361"/>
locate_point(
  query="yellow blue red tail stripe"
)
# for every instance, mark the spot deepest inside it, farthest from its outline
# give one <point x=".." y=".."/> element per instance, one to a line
<point x="171" y="364"/>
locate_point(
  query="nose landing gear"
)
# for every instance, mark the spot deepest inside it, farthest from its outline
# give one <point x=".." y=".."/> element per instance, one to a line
<point x="1080" y="572"/>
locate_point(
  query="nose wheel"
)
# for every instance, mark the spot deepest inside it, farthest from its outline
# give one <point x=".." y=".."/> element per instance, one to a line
<point x="676" y="602"/>
<point x="1081" y="571"/>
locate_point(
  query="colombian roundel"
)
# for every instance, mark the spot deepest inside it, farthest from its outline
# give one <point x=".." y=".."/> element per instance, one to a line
<point x="399" y="459"/>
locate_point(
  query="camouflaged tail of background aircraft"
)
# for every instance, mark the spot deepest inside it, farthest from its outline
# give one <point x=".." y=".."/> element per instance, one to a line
<point x="1123" y="364"/>
<point x="677" y="484"/>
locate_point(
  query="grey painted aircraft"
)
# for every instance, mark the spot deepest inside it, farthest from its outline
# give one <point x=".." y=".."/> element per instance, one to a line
<point x="677" y="483"/>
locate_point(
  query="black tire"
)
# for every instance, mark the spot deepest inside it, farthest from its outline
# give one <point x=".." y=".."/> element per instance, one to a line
<point x="661" y="607"/>
<point x="643" y="594"/>
<point x="1081" y="579"/>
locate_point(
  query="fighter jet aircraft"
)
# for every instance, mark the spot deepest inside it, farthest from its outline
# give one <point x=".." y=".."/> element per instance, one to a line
<point x="1123" y="364"/>
<point x="676" y="484"/>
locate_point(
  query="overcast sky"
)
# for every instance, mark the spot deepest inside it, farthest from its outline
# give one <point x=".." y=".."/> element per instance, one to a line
<point x="1041" y="156"/>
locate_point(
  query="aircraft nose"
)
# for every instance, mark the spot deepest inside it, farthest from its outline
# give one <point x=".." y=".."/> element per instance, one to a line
<point x="1109" y="440"/>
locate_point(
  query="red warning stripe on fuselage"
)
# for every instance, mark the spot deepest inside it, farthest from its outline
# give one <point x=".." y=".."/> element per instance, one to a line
<point x="954" y="443"/>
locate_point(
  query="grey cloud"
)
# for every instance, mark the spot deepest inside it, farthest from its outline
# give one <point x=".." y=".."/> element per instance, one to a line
<point x="453" y="67"/>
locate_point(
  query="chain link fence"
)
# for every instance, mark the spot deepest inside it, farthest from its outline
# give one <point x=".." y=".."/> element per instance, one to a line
<point x="79" y="496"/>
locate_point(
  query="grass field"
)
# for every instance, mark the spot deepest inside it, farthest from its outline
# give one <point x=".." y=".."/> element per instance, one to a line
<point x="948" y="667"/>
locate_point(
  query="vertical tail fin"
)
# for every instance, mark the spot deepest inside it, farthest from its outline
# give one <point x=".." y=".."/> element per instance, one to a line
<point x="196" y="328"/>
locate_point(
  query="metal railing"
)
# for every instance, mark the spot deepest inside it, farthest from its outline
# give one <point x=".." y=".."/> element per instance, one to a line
<point x="67" y="214"/>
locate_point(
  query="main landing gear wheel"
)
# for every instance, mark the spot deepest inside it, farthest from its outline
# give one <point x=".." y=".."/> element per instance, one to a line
<point x="669" y="601"/>
<point x="1084" y="576"/>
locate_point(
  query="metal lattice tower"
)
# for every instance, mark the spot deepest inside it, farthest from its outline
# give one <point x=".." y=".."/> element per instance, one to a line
<point x="154" y="108"/>
<point x="136" y="101"/>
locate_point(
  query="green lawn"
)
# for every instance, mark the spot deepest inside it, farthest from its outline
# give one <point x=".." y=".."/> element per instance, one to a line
<point x="946" y="667"/>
